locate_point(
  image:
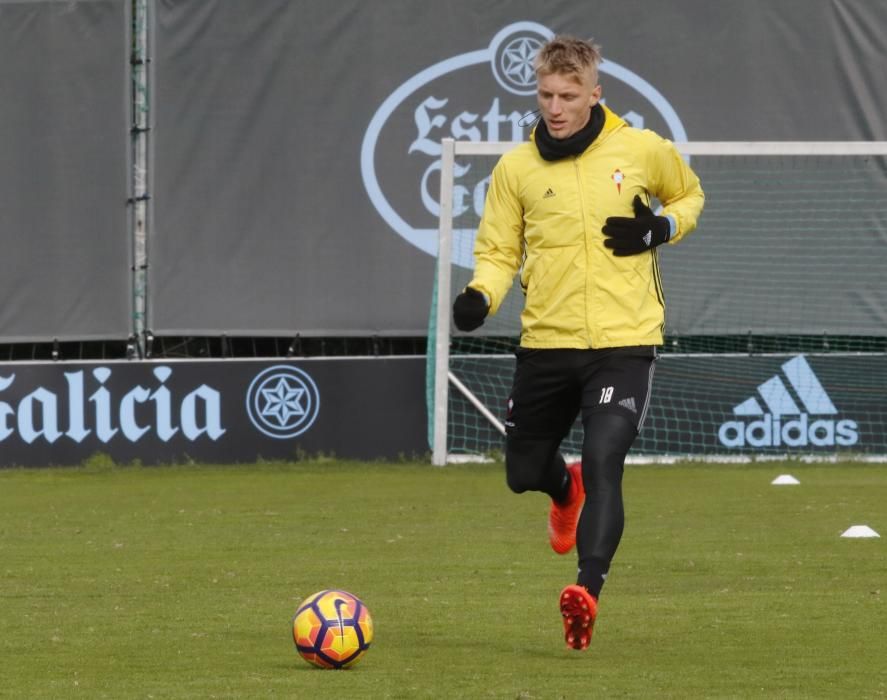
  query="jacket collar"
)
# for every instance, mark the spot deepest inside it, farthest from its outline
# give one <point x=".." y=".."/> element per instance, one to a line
<point x="612" y="123"/>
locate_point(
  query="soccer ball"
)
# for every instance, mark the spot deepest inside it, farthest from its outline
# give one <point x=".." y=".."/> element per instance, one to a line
<point x="332" y="629"/>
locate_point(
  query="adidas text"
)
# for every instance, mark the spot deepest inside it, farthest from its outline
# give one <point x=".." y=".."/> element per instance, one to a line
<point x="770" y="431"/>
<point x="794" y="400"/>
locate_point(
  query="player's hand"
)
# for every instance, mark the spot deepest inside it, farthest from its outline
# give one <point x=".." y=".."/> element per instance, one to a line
<point x="645" y="231"/>
<point x="470" y="309"/>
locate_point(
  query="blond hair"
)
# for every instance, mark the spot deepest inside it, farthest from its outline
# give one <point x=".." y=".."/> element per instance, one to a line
<point x="567" y="55"/>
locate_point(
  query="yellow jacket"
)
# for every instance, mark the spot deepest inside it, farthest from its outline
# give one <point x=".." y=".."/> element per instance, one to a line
<point x="545" y="218"/>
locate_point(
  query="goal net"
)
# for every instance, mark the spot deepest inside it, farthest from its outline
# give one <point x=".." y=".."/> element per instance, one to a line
<point x="776" y="310"/>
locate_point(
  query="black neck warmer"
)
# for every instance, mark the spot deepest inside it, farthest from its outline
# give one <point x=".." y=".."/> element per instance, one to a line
<point x="551" y="148"/>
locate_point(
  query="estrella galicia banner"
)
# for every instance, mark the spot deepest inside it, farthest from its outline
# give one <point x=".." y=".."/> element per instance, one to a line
<point x="223" y="411"/>
<point x="300" y="141"/>
<point x="487" y="94"/>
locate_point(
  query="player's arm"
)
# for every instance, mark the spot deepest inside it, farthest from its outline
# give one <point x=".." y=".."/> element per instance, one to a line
<point x="497" y="253"/>
<point x="675" y="184"/>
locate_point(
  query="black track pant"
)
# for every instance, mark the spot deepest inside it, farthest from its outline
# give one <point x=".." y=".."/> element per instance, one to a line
<point x="608" y="437"/>
<point x="609" y="389"/>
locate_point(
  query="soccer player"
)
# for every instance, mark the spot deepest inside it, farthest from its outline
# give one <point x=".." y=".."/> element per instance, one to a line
<point x="571" y="209"/>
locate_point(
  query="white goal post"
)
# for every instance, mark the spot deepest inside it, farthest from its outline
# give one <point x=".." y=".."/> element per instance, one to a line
<point x="443" y="378"/>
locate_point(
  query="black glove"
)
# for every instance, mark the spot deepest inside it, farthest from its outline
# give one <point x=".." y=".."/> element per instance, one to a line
<point x="470" y="309"/>
<point x="632" y="236"/>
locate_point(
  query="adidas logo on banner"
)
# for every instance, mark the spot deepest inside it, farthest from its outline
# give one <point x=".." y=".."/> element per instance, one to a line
<point x="783" y="423"/>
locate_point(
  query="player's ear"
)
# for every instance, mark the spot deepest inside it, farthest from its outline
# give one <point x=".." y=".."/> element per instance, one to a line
<point x="595" y="96"/>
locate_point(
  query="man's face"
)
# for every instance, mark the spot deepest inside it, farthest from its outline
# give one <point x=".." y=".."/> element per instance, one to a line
<point x="565" y="101"/>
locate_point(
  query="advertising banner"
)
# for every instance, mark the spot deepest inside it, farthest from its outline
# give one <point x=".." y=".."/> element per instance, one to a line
<point x="721" y="406"/>
<point x="294" y="157"/>
<point x="297" y="151"/>
<point x="226" y="411"/>
<point x="796" y="404"/>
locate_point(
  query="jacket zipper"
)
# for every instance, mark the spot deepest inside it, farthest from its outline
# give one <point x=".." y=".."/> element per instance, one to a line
<point x="589" y="288"/>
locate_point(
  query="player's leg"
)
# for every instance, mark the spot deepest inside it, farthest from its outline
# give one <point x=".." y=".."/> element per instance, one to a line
<point x="535" y="464"/>
<point x="608" y="437"/>
<point x="615" y="400"/>
<point x="541" y="409"/>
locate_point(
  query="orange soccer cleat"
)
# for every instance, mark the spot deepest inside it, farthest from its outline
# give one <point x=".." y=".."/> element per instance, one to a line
<point x="579" y="610"/>
<point x="563" y="517"/>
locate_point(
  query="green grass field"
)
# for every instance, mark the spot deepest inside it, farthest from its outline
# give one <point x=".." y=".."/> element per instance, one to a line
<point x="180" y="582"/>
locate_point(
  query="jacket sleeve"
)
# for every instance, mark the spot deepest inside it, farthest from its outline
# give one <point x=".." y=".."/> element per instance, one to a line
<point x="498" y="248"/>
<point x="675" y="185"/>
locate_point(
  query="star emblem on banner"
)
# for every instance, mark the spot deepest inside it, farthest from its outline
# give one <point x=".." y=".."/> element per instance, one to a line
<point x="517" y="61"/>
<point x="513" y="53"/>
<point x="282" y="401"/>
